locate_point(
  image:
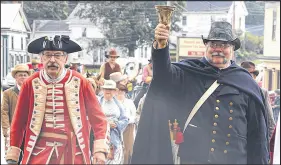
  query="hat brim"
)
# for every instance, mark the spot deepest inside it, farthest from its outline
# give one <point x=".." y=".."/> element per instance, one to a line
<point x="236" y="42"/>
<point x="36" y="46"/>
<point x="105" y="87"/>
<point x="14" y="72"/>
<point x="107" y="56"/>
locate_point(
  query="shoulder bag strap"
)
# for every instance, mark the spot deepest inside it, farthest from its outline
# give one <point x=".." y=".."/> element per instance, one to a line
<point x="203" y="98"/>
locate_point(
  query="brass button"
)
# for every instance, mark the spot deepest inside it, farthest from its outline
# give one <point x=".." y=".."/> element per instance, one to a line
<point x="216" y="116"/>
<point x="230" y="118"/>
<point x="215" y="124"/>
<point x="230" y="126"/>
<point x="212" y="149"/>
<point x="217" y="108"/>
<point x="213" y="140"/>
<point x="226" y="143"/>
<point x="230" y="111"/>
<point x="225" y="151"/>
<point x="231" y="103"/>
<point x="218" y="101"/>
<point x="214" y="132"/>
<point x="228" y="135"/>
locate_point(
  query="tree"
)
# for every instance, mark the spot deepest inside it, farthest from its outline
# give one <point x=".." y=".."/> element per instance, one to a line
<point x="51" y="10"/>
<point x="127" y="24"/>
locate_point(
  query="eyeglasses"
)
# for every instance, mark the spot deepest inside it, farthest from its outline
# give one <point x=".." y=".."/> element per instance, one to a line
<point x="56" y="55"/>
<point x="219" y="45"/>
<point x="112" y="57"/>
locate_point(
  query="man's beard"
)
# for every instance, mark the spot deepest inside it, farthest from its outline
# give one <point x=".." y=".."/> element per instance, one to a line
<point x="219" y="54"/>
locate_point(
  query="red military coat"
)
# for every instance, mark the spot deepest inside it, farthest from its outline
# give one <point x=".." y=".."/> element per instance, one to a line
<point x="81" y="103"/>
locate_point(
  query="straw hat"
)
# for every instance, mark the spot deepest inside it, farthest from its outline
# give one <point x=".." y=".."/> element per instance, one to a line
<point x="20" y="68"/>
<point x="117" y="76"/>
<point x="35" y="61"/>
<point x="109" y="84"/>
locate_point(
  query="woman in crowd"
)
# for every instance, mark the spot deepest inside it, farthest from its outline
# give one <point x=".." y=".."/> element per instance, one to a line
<point x="109" y="67"/>
<point x="130" y="111"/>
<point x="117" y="120"/>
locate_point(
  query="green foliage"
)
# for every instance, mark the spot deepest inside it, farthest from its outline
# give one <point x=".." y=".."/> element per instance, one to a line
<point x="51" y="10"/>
<point x="128" y="24"/>
<point x="253" y="43"/>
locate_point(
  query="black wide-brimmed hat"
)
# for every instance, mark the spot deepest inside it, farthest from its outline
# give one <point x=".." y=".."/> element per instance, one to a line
<point x="222" y="31"/>
<point x="57" y="43"/>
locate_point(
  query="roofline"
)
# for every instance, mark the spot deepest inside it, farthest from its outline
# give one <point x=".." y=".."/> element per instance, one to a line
<point x="49" y="31"/>
<point x="205" y="12"/>
<point x="24" y="18"/>
<point x="12" y="30"/>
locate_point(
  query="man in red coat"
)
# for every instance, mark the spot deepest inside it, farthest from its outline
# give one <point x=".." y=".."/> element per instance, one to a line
<point x="56" y="109"/>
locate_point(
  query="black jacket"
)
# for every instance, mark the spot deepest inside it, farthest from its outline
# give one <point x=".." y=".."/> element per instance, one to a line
<point x="229" y="128"/>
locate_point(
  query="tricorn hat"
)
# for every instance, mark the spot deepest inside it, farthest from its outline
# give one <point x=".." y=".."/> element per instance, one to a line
<point x="57" y="43"/>
<point x="222" y="31"/>
<point x="250" y="67"/>
<point x="112" y="52"/>
<point x="21" y="68"/>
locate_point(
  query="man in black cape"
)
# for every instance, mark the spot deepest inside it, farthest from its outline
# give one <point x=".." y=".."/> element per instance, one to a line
<point x="230" y="126"/>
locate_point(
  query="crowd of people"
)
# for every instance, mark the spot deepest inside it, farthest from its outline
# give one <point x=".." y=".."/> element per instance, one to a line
<point x="207" y="110"/>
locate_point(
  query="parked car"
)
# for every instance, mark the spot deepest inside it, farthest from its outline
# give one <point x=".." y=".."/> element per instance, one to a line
<point x="8" y="82"/>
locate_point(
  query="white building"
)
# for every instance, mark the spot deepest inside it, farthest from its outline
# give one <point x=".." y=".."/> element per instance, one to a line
<point x="199" y="15"/>
<point x="14" y="37"/>
<point x="271" y="59"/>
<point x="84" y="31"/>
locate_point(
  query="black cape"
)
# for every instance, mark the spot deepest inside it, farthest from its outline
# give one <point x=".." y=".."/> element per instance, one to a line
<point x="152" y="144"/>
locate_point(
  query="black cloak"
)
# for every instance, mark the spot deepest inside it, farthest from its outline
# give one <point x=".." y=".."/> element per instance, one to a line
<point x="152" y="144"/>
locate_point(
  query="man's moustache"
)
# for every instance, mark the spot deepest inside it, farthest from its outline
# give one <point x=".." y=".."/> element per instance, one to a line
<point x="218" y="54"/>
<point x="53" y="65"/>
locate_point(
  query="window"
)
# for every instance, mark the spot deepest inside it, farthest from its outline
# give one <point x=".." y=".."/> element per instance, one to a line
<point x="184" y="20"/>
<point x="12" y="40"/>
<point x="11" y="61"/>
<point x="21" y="59"/>
<point x="21" y="43"/>
<point x="274" y="25"/>
<point x="145" y="52"/>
